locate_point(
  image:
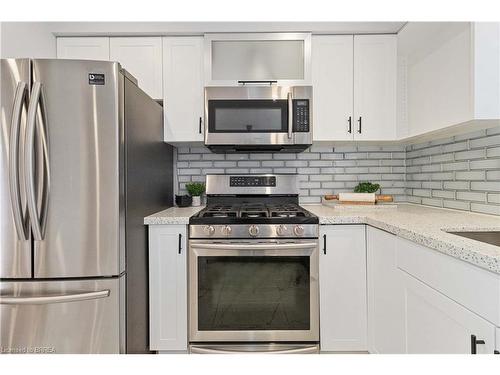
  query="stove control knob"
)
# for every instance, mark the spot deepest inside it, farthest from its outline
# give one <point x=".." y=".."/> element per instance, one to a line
<point x="209" y="229"/>
<point x="253" y="230"/>
<point x="298" y="230"/>
<point x="226" y="230"/>
<point x="281" y="230"/>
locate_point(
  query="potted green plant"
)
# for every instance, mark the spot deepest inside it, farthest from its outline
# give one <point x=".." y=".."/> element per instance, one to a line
<point x="366" y="187"/>
<point x="196" y="189"/>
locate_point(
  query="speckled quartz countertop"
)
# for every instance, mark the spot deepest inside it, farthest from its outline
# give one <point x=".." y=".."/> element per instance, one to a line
<point x="423" y="225"/>
<point x="426" y="226"/>
<point x="172" y="215"/>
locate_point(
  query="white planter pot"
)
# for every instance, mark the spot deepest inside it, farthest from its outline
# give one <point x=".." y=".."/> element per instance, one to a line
<point x="196" y="201"/>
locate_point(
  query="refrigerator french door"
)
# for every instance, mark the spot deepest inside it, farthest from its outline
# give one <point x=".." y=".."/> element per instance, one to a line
<point x="62" y="257"/>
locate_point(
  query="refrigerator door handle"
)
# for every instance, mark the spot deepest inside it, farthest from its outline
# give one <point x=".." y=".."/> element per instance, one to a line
<point x="44" y="300"/>
<point x="38" y="219"/>
<point x="15" y="191"/>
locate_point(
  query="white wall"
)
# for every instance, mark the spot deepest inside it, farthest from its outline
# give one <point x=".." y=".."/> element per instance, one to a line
<point x="27" y="39"/>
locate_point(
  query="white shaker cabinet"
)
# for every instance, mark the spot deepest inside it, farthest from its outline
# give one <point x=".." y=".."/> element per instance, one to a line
<point x="436" y="324"/>
<point x="142" y="57"/>
<point x="375" y="72"/>
<point x="386" y="315"/>
<point x="86" y="48"/>
<point x="183" y="89"/>
<point x="332" y="76"/>
<point x="168" y="287"/>
<point x="354" y="87"/>
<point x="342" y="281"/>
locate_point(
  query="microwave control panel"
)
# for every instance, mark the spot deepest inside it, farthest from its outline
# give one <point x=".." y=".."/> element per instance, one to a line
<point x="301" y="115"/>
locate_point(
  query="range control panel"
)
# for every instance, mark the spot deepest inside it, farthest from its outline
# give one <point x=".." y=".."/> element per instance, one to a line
<point x="301" y="115"/>
<point x="252" y="181"/>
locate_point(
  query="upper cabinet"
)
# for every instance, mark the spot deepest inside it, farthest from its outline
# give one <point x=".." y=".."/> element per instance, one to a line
<point x="332" y="75"/>
<point x="448" y="76"/>
<point x="92" y="48"/>
<point x="354" y="87"/>
<point x="232" y="59"/>
<point x="375" y="71"/>
<point x="183" y="89"/>
<point x="142" y="57"/>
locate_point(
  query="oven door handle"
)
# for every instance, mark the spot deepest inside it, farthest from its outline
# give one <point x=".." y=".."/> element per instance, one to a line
<point x="293" y="350"/>
<point x="259" y="246"/>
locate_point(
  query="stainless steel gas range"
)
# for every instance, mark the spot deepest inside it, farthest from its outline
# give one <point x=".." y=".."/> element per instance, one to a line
<point x="253" y="268"/>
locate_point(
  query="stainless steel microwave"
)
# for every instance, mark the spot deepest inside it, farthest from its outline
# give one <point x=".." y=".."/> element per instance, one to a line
<point x="258" y="118"/>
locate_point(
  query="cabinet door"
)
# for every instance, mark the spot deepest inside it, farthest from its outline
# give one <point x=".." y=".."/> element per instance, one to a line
<point x="332" y="76"/>
<point x="437" y="324"/>
<point x="183" y="88"/>
<point x="88" y="48"/>
<point x="142" y="57"/>
<point x="342" y="282"/>
<point x="386" y="329"/>
<point x="167" y="287"/>
<point x="375" y="71"/>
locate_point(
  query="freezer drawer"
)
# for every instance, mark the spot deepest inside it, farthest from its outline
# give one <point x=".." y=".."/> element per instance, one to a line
<point x="77" y="316"/>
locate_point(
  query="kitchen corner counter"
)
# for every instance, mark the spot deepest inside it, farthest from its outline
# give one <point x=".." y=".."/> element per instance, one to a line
<point x="426" y="226"/>
<point x="172" y="215"/>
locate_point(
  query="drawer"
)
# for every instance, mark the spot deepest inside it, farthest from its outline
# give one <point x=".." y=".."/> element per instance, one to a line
<point x="476" y="289"/>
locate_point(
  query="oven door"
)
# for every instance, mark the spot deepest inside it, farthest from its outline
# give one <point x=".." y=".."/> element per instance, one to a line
<point x="261" y="291"/>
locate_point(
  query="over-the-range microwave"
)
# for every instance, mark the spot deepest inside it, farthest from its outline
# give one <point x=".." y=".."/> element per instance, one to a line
<point x="258" y="118"/>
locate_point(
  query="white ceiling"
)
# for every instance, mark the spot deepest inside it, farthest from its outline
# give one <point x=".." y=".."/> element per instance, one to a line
<point x="198" y="28"/>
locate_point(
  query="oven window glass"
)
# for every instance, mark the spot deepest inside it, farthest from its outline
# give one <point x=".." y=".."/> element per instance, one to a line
<point x="248" y="116"/>
<point x="253" y="293"/>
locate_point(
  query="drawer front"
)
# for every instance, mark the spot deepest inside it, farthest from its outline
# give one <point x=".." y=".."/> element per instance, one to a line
<point x="456" y="279"/>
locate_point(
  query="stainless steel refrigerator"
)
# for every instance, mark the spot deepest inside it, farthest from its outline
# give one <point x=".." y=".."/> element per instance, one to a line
<point x="82" y="161"/>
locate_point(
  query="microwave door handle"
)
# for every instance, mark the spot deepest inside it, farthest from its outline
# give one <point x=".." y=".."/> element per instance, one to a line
<point x="290" y="114"/>
<point x="15" y="191"/>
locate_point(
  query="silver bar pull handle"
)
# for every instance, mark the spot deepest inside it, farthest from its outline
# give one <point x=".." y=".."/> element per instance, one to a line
<point x="297" y="350"/>
<point x="260" y="246"/>
<point x="37" y="119"/>
<point x="290" y="114"/>
<point x="45" y="300"/>
<point x="44" y="141"/>
<point x="28" y="162"/>
<point x="14" y="139"/>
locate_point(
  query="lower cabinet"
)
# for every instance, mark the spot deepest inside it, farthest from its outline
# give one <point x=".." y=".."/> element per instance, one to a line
<point x="342" y="283"/>
<point x="168" y="287"/>
<point x="437" y="324"/>
<point x="386" y="324"/>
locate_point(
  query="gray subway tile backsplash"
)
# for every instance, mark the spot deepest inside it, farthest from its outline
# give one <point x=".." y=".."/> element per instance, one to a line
<point x="461" y="172"/>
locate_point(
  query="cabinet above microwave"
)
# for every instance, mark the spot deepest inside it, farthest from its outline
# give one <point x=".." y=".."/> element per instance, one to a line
<point x="235" y="59"/>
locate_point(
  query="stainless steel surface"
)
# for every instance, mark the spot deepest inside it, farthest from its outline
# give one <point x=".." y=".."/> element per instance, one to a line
<point x="259" y="92"/>
<point x="219" y="184"/>
<point x="94" y="186"/>
<point x="76" y="326"/>
<point x="82" y="236"/>
<point x="263" y="231"/>
<point x="15" y="251"/>
<point x="489" y="237"/>
<point x="44" y="300"/>
<point x="148" y="159"/>
<point x="14" y="165"/>
<point x="271" y="348"/>
<point x="199" y="248"/>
